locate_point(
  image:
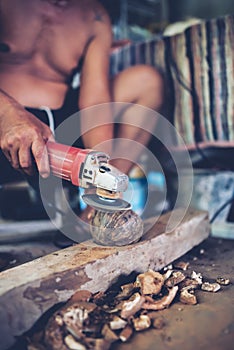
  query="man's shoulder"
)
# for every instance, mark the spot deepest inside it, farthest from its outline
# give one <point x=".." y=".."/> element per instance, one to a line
<point x="92" y="13"/>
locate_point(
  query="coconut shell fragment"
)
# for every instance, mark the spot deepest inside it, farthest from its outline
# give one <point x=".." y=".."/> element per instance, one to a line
<point x="116" y="229"/>
<point x="80" y="295"/>
<point x="197" y="277"/>
<point x="182" y="265"/>
<point x="189" y="284"/>
<point x="150" y="282"/>
<point x="141" y="323"/>
<point x="176" y="278"/>
<point x="117" y="323"/>
<point x="126" y="334"/>
<point x="72" y="344"/>
<point x="108" y="334"/>
<point x="126" y="291"/>
<point x="131" y="306"/>
<point x="223" y="281"/>
<point x="162" y="303"/>
<point x="188" y="297"/>
<point x="210" y="287"/>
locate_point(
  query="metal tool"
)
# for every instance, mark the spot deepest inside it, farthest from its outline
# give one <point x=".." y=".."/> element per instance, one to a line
<point x="87" y="168"/>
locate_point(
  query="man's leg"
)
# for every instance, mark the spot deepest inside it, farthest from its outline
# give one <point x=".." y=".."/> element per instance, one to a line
<point x="140" y="85"/>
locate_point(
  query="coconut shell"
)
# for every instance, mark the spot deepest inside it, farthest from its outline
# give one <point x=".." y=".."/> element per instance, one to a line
<point x="116" y="229"/>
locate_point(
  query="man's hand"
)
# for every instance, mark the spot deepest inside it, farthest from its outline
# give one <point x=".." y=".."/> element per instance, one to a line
<point x="23" y="138"/>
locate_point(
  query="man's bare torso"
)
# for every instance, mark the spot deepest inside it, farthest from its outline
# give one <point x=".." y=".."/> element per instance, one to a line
<point x="41" y="43"/>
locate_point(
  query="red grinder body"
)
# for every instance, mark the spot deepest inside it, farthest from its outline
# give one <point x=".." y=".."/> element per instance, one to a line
<point x="66" y="161"/>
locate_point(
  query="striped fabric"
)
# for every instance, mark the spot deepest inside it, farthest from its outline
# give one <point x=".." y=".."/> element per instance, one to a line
<point x="198" y="69"/>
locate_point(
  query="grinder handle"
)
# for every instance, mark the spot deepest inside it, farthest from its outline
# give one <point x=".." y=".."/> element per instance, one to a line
<point x="65" y="161"/>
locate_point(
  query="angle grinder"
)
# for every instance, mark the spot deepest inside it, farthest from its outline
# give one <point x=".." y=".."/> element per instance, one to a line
<point x="88" y="168"/>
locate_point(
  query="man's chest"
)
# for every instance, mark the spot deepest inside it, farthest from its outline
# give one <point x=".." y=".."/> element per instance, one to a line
<point x="56" y="38"/>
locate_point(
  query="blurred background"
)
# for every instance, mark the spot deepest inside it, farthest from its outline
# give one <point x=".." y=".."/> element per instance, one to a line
<point x="137" y="19"/>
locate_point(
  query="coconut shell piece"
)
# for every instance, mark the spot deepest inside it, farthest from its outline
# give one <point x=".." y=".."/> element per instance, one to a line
<point x="53" y="337"/>
<point x="126" y="333"/>
<point x="167" y="274"/>
<point x="70" y="317"/>
<point x="163" y="302"/>
<point x="73" y="344"/>
<point x="189" y="284"/>
<point x="126" y="291"/>
<point x="176" y="278"/>
<point x="141" y="323"/>
<point x="210" y="287"/>
<point x="187" y="297"/>
<point x="223" y="281"/>
<point x="80" y="295"/>
<point x="197" y="277"/>
<point x="150" y="282"/>
<point x="108" y="334"/>
<point x="75" y="315"/>
<point x="182" y="265"/>
<point x="117" y="323"/>
<point x="131" y="306"/>
<point x="116" y="228"/>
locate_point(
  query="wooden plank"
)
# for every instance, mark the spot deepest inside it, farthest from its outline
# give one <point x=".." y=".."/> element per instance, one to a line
<point x="27" y="291"/>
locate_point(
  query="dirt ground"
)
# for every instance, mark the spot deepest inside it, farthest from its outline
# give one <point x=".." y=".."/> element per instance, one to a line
<point x="207" y="325"/>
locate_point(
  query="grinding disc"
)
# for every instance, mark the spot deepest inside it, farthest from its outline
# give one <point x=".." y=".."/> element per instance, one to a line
<point x="105" y="204"/>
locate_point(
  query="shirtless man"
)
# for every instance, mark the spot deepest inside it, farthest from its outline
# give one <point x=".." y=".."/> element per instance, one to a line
<point x="41" y="43"/>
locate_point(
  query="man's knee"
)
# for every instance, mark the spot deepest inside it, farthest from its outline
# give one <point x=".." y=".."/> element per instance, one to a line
<point x="149" y="77"/>
<point x="151" y="82"/>
<point x="141" y="84"/>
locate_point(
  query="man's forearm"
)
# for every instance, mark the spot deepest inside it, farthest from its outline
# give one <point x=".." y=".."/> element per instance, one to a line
<point x="7" y="105"/>
<point x="97" y="124"/>
<point x="6" y="101"/>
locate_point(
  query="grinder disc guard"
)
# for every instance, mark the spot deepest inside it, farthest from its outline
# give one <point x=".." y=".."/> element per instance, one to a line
<point x="105" y="204"/>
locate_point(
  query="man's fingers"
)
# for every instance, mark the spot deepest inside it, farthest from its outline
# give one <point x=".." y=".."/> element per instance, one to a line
<point x="14" y="158"/>
<point x="25" y="159"/>
<point x="40" y="155"/>
<point x="10" y="149"/>
<point x="51" y="138"/>
<point x="7" y="155"/>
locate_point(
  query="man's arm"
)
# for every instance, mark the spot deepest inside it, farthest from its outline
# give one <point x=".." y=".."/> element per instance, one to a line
<point x="95" y="88"/>
<point x="23" y="137"/>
